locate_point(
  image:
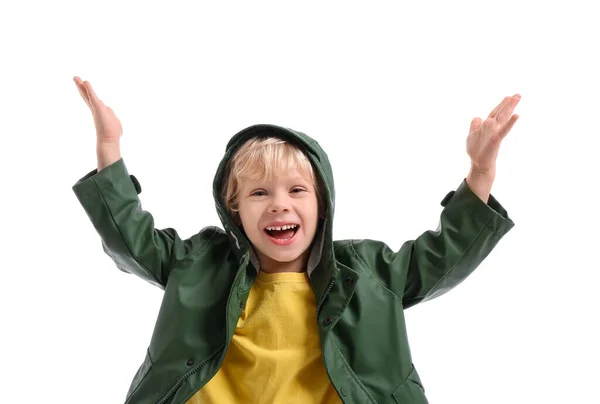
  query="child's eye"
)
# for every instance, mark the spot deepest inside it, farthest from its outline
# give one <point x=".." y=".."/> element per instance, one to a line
<point x="297" y="190"/>
<point x="259" y="193"/>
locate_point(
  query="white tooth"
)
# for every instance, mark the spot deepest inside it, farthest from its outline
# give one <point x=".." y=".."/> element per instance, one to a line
<point x="286" y="227"/>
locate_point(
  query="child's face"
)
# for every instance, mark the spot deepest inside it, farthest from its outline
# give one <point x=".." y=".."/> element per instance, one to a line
<point x="287" y="199"/>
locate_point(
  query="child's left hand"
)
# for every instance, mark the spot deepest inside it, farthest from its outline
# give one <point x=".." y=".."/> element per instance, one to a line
<point x="485" y="137"/>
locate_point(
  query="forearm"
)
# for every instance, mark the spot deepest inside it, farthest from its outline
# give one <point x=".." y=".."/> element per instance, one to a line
<point x="127" y="231"/>
<point x="107" y="153"/>
<point x="481" y="182"/>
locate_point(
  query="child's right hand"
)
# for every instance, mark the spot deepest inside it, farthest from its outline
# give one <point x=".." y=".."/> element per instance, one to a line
<point x="108" y="126"/>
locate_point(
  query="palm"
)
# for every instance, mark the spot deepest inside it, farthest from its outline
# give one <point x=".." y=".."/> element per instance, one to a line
<point x="108" y="126"/>
<point x="483" y="142"/>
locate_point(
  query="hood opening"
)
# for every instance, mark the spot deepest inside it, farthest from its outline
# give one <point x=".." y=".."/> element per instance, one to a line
<point x="322" y="246"/>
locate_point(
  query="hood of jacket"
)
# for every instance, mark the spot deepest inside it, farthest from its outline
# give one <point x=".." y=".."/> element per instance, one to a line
<point x="322" y="252"/>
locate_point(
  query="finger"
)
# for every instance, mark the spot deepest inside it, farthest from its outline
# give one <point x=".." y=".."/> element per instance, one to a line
<point x="508" y="126"/>
<point x="498" y="108"/>
<point x="92" y="94"/>
<point x="83" y="92"/>
<point x="508" y="108"/>
<point x="475" y="124"/>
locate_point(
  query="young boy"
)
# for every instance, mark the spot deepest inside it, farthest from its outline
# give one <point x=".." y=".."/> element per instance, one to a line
<point x="270" y="309"/>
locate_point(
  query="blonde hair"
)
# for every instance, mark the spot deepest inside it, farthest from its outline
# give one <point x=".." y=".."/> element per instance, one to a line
<point x="260" y="159"/>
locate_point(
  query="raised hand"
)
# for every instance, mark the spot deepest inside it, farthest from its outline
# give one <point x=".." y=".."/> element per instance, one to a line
<point x="483" y="142"/>
<point x="108" y="126"/>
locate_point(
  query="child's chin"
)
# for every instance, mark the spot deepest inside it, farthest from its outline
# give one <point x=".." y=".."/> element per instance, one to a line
<point x="286" y="257"/>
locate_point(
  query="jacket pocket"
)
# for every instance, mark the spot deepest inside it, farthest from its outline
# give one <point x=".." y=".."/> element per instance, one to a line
<point x="411" y="390"/>
<point x="140" y="374"/>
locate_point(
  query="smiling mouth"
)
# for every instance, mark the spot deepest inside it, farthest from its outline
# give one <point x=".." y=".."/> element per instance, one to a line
<point x="282" y="232"/>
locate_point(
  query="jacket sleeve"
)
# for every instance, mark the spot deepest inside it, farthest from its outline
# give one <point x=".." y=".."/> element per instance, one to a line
<point x="110" y="199"/>
<point x="437" y="261"/>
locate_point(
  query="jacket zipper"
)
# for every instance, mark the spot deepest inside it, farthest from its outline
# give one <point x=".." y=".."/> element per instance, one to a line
<point x="171" y="392"/>
<point x="331" y="283"/>
<point x="329" y="287"/>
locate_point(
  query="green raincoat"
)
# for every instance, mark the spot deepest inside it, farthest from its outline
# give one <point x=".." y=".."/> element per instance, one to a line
<point x="362" y="287"/>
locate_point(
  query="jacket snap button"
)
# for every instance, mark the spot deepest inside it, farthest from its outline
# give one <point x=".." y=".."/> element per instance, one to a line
<point x="349" y="281"/>
<point x="190" y="362"/>
<point x="328" y="320"/>
<point x="343" y="392"/>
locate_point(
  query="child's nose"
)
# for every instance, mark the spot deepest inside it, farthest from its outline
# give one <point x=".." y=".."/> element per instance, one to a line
<point x="279" y="204"/>
<point x="274" y="208"/>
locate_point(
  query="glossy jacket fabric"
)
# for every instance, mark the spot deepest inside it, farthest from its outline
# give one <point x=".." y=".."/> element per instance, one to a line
<point x="362" y="287"/>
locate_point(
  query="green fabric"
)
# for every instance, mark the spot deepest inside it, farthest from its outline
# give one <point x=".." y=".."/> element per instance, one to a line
<point x="362" y="286"/>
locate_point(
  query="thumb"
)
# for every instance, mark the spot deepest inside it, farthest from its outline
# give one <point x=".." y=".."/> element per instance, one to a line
<point x="475" y="124"/>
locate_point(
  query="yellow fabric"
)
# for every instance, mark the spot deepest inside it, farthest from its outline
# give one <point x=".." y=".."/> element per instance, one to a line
<point x="274" y="356"/>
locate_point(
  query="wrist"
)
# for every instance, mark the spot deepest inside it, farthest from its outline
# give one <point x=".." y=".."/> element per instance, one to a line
<point x="107" y="153"/>
<point x="108" y="143"/>
<point x="483" y="171"/>
<point x="481" y="181"/>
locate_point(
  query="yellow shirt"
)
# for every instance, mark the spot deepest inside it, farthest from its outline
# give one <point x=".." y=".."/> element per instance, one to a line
<point x="274" y="356"/>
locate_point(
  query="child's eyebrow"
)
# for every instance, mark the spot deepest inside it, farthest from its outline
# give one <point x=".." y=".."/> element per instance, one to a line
<point x="300" y="179"/>
<point x="295" y="180"/>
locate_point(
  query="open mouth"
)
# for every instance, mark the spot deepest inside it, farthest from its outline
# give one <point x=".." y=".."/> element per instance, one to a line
<point x="283" y="233"/>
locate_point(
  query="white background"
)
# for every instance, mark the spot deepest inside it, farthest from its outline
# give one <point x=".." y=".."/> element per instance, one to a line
<point x="388" y="90"/>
